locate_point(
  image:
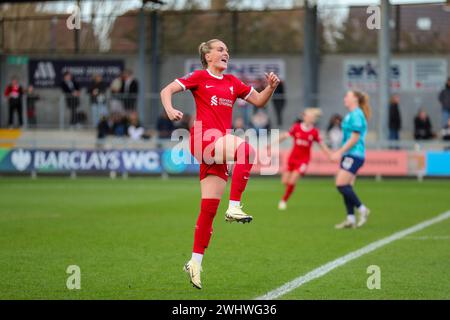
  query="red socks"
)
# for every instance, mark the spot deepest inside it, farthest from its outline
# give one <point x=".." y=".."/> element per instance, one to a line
<point x="289" y="189"/>
<point x="244" y="158"/>
<point x="203" y="229"/>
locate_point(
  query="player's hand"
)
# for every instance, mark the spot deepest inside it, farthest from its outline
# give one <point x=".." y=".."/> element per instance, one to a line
<point x="174" y="114"/>
<point x="272" y="80"/>
<point x="335" y="156"/>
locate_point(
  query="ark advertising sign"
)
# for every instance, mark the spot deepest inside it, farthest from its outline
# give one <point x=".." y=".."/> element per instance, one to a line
<point x="405" y="74"/>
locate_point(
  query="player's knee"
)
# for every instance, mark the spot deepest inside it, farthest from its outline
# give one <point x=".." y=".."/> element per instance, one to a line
<point x="344" y="190"/>
<point x="245" y="153"/>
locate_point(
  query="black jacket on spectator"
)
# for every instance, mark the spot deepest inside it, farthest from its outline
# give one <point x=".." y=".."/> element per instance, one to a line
<point x="444" y="98"/>
<point x="422" y="129"/>
<point x="165" y="128"/>
<point x="129" y="93"/>
<point x="67" y="88"/>
<point x="101" y="87"/>
<point x="395" y="121"/>
<point x="72" y="102"/>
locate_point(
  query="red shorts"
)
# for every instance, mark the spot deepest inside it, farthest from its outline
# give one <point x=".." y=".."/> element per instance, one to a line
<point x="198" y="145"/>
<point x="298" y="166"/>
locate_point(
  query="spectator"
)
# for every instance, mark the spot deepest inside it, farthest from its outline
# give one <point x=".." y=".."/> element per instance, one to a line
<point x="119" y="126"/>
<point x="444" y="99"/>
<point x="260" y="120"/>
<point x="164" y="126"/>
<point x="71" y="90"/>
<point x="103" y="128"/>
<point x="14" y="92"/>
<point x="116" y="87"/>
<point x="334" y="132"/>
<point x="129" y="90"/>
<point x="135" y="130"/>
<point x="32" y="97"/>
<point x="395" y="121"/>
<point x="279" y="101"/>
<point x="239" y="123"/>
<point x="245" y="108"/>
<point x="446" y="131"/>
<point x="422" y="126"/>
<point x="97" y="94"/>
<point x="239" y="127"/>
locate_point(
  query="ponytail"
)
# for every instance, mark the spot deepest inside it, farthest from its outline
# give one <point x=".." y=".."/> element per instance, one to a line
<point x="203" y="49"/>
<point x="364" y="104"/>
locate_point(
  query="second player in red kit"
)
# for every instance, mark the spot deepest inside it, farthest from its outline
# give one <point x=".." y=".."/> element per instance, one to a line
<point x="211" y="142"/>
<point x="303" y="134"/>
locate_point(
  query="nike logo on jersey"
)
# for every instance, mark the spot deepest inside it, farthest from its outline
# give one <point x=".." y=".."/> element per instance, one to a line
<point x="207" y="87"/>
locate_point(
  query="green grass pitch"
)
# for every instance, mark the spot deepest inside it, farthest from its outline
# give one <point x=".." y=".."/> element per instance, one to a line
<point x="131" y="237"/>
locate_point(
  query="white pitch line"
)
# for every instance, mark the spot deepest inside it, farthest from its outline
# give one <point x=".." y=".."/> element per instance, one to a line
<point x="324" y="269"/>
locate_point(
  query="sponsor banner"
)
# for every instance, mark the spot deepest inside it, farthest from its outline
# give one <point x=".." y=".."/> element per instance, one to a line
<point x="173" y="161"/>
<point x="48" y="73"/>
<point x="248" y="70"/>
<point x="438" y="163"/>
<point x="54" y="161"/>
<point x="406" y="74"/>
<point x="378" y="162"/>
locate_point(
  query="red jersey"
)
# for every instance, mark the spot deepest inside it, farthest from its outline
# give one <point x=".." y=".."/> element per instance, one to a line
<point x="214" y="97"/>
<point x="303" y="141"/>
<point x="13" y="91"/>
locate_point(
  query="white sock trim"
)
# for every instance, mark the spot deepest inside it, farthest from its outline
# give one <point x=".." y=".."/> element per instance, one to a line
<point x="362" y="209"/>
<point x="233" y="203"/>
<point x="197" y="257"/>
<point x="351" y="218"/>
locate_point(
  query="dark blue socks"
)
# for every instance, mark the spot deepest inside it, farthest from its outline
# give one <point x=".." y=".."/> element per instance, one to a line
<point x="350" y="198"/>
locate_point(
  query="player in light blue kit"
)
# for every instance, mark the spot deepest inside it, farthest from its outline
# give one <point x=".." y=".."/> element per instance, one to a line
<point x="352" y="154"/>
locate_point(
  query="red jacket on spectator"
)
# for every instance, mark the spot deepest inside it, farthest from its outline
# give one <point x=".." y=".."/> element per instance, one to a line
<point x="13" y="91"/>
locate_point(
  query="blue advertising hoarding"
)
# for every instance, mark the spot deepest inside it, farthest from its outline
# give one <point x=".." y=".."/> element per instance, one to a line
<point x="438" y="163"/>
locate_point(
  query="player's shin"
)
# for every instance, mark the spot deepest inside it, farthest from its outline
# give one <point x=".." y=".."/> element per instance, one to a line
<point x="244" y="158"/>
<point x="203" y="228"/>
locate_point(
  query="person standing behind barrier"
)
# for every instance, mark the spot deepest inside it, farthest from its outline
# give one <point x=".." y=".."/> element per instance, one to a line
<point x="395" y="121"/>
<point x="97" y="93"/>
<point x="14" y="92"/>
<point x="129" y="90"/>
<point x="444" y="99"/>
<point x="422" y="126"/>
<point x="164" y="126"/>
<point x="32" y="97"/>
<point x="334" y="132"/>
<point x="71" y="91"/>
<point x="279" y="101"/>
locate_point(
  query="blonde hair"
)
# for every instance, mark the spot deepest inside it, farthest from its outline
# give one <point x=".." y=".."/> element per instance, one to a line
<point x="203" y="49"/>
<point x="364" y="104"/>
<point x="316" y="112"/>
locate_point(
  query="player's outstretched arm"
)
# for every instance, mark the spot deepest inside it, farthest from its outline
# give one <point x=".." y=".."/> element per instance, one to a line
<point x="166" y="100"/>
<point x="260" y="99"/>
<point x="325" y="149"/>
<point x="283" y="136"/>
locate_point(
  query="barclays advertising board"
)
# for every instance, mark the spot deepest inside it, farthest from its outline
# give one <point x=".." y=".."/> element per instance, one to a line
<point x="130" y="161"/>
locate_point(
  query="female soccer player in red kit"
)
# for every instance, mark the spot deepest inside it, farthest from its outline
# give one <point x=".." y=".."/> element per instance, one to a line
<point x="304" y="134"/>
<point x="212" y="143"/>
